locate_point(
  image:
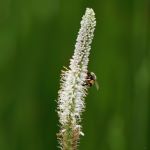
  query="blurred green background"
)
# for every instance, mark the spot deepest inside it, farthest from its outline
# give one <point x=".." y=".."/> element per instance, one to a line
<point x="37" y="39"/>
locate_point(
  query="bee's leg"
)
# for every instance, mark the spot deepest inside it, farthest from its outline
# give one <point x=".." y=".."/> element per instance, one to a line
<point x="90" y="84"/>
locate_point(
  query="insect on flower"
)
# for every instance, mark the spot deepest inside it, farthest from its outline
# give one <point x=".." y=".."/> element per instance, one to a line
<point x="91" y="79"/>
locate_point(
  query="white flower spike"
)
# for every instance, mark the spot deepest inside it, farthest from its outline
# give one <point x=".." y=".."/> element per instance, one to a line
<point x="72" y="90"/>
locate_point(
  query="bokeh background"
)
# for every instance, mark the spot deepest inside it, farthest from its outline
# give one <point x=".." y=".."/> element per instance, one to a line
<point x="37" y="39"/>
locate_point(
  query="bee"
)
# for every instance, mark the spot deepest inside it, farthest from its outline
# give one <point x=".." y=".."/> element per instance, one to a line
<point x="91" y="79"/>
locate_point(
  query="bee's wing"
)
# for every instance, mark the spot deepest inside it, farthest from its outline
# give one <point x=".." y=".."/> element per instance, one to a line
<point x="97" y="85"/>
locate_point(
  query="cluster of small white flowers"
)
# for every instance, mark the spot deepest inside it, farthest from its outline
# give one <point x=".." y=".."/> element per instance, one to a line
<point x="72" y="92"/>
